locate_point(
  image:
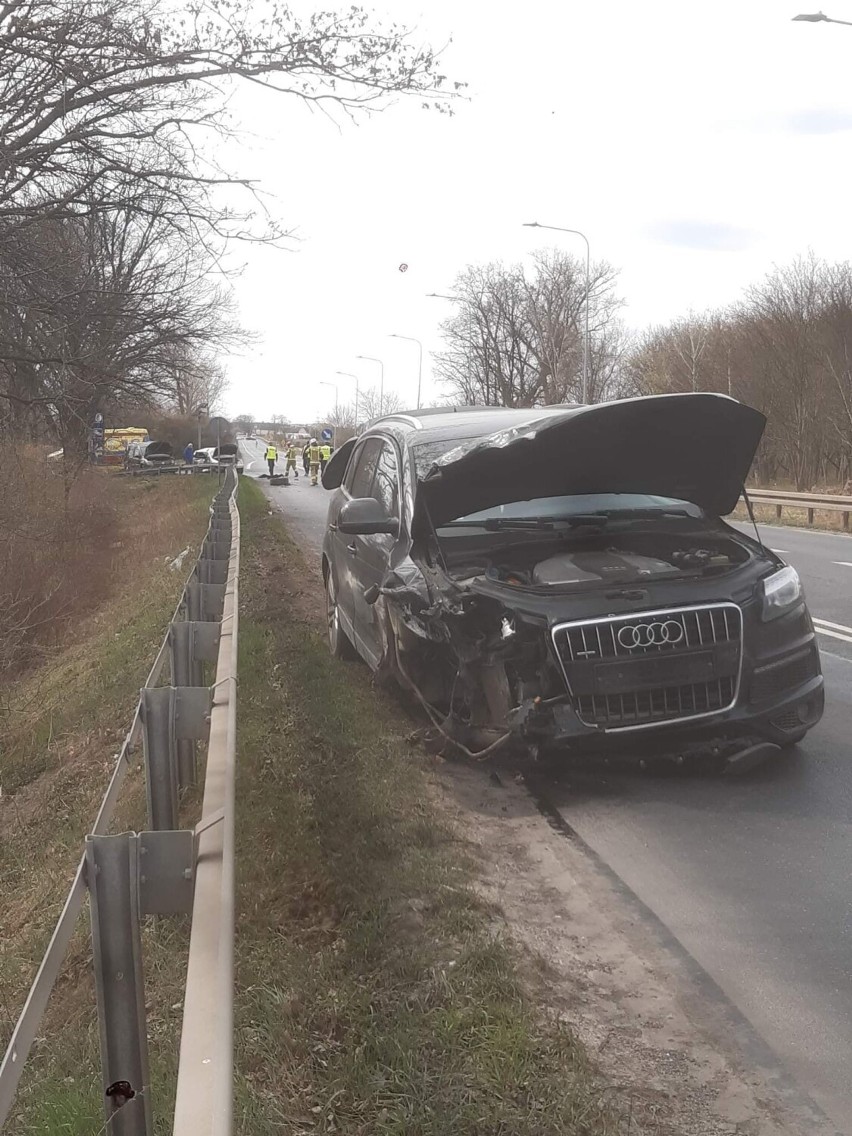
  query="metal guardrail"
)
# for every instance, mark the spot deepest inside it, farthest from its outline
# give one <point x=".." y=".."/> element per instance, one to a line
<point x="166" y="870"/>
<point x="179" y="470"/>
<point x="812" y="502"/>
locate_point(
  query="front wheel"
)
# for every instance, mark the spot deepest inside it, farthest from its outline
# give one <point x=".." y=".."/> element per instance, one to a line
<point x="338" y="641"/>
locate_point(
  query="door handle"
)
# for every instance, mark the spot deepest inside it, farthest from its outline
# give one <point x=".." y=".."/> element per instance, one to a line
<point x="353" y="548"/>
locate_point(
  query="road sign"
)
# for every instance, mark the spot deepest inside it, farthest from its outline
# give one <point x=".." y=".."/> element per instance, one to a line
<point x="327" y="434"/>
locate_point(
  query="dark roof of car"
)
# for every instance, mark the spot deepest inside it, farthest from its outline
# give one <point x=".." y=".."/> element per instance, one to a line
<point x="440" y="422"/>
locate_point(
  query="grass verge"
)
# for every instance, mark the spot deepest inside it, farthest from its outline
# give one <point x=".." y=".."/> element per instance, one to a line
<point x="63" y="722"/>
<point x="375" y="991"/>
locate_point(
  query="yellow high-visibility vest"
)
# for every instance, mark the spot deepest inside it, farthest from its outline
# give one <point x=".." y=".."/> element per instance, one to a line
<point x="271" y="453"/>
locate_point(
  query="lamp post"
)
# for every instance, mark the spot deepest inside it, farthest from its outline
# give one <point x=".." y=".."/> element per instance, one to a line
<point x="373" y="359"/>
<point x="577" y="233"/>
<point x="351" y="375"/>
<point x="411" y="339"/>
<point x="200" y="411"/>
<point x="821" y="18"/>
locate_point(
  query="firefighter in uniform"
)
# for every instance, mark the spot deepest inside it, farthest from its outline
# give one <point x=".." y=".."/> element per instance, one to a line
<point x="271" y="456"/>
<point x="291" y="459"/>
<point x="314" y="454"/>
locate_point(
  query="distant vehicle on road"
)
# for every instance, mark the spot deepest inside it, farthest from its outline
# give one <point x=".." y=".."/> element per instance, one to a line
<point x="561" y="578"/>
<point x="149" y="454"/>
<point x="226" y="454"/>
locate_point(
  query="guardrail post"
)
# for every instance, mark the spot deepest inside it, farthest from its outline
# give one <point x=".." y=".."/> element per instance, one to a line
<point x="170" y="715"/>
<point x="810" y="516"/>
<point x="160" y="766"/>
<point x="778" y="512"/>
<point x="185" y="672"/>
<point x="113" y="879"/>
<point x="191" y="644"/>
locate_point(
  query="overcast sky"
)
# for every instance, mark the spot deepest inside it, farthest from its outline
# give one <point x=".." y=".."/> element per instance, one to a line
<point x="695" y="144"/>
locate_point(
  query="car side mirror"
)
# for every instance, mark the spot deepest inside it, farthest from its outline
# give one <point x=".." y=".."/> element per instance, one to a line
<point x="365" y="517"/>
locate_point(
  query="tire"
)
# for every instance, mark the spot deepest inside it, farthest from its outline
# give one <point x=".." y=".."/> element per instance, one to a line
<point x="338" y="641"/>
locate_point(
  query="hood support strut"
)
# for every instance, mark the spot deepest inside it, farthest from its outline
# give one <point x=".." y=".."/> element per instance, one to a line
<point x="750" y="509"/>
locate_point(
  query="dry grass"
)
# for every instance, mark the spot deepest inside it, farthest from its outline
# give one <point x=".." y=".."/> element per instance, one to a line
<point x="68" y="550"/>
<point x="64" y="721"/>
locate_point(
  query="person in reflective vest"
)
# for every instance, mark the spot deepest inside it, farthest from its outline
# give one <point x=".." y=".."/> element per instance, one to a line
<point x="271" y="456"/>
<point x="291" y="459"/>
<point x="314" y="454"/>
<point x="325" y="456"/>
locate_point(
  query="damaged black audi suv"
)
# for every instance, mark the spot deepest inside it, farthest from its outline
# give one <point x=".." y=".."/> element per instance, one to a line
<point x="562" y="577"/>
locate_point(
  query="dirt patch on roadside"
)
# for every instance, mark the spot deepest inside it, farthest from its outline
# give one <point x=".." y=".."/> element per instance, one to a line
<point x="593" y="961"/>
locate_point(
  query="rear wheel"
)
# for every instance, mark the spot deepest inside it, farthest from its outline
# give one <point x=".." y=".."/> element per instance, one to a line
<point x="338" y="641"/>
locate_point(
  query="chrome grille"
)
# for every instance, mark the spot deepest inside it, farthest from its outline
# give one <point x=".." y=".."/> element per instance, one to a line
<point x="688" y="669"/>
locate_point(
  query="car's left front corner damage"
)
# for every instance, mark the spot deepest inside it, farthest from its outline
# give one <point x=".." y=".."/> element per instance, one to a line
<point x="481" y="669"/>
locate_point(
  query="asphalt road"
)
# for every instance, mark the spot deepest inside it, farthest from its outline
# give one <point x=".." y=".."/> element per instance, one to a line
<point x="753" y="875"/>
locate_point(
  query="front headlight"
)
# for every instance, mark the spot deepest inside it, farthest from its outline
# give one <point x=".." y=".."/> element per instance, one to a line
<point x="781" y="591"/>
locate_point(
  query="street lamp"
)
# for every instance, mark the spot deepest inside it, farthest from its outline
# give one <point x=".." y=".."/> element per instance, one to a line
<point x="373" y="359"/>
<point x="821" y="18"/>
<point x="200" y="411"/>
<point x="577" y="233"/>
<point x="411" y="339"/>
<point x="350" y="375"/>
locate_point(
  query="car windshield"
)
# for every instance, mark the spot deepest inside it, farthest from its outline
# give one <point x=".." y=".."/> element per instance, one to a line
<point x="581" y="506"/>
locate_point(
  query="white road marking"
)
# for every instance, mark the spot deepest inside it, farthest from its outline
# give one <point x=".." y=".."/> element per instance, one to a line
<point x="842" y="563"/>
<point x="781" y="551"/>
<point x="836" y="626"/>
<point x="833" y="634"/>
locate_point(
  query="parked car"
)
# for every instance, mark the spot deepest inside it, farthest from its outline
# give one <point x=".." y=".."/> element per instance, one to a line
<point x="226" y="454"/>
<point x="562" y="577"/>
<point x="142" y="454"/>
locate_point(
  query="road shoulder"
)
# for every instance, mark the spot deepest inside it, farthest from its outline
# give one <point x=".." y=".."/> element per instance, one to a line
<point x="682" y="1058"/>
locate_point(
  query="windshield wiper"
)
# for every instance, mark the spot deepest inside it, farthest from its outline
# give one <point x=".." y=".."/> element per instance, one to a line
<point x="644" y="514"/>
<point x="497" y="524"/>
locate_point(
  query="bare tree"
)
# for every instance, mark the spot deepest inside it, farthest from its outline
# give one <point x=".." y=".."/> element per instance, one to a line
<point x="103" y="97"/>
<point x="112" y="210"/>
<point x="517" y="337"/>
<point x="373" y="405"/>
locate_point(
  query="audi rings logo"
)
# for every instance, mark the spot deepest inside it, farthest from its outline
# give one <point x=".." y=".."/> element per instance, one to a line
<point x="650" y="635"/>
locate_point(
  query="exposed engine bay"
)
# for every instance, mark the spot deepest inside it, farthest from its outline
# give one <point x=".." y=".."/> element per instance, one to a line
<point x="631" y="559"/>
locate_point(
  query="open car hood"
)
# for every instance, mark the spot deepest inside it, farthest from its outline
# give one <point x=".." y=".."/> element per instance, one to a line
<point x="693" y="447"/>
